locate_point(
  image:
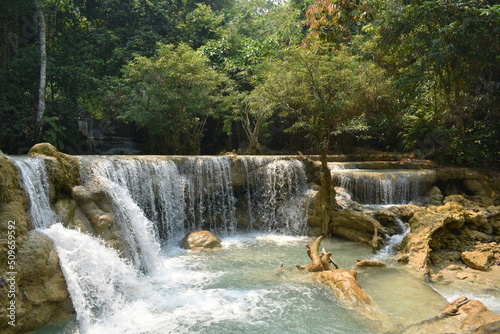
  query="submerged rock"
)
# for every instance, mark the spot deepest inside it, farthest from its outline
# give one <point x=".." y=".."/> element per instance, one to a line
<point x="200" y="240"/>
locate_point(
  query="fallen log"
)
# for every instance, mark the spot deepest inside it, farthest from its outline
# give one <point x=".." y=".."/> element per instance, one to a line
<point x="369" y="263"/>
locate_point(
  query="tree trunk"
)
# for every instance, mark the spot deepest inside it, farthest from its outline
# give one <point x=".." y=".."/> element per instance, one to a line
<point x="327" y="200"/>
<point x="43" y="71"/>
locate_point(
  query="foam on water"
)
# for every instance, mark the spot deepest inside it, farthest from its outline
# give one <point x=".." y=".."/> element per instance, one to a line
<point x="190" y="292"/>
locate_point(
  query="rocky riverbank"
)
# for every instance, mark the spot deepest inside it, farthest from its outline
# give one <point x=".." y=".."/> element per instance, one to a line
<point x="453" y="243"/>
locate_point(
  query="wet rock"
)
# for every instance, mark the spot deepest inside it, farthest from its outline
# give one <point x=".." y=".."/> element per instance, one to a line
<point x="63" y="169"/>
<point x="406" y="212"/>
<point x="200" y="240"/>
<point x="434" y="229"/>
<point x="41" y="293"/>
<point x="434" y="196"/>
<point x="369" y="263"/>
<point x="357" y="227"/>
<point x="460" y="316"/>
<point x="344" y="200"/>
<point x="388" y="220"/>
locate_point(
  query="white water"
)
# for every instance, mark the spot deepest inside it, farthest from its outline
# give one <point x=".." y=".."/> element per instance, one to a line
<point x="195" y="193"/>
<point x="248" y="286"/>
<point x="210" y="202"/>
<point x="382" y="186"/>
<point x="392" y="242"/>
<point x="36" y="182"/>
<point x="238" y="289"/>
<point x="275" y="194"/>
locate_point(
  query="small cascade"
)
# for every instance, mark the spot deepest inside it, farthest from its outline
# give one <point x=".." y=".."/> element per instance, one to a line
<point x="138" y="231"/>
<point x="383" y="186"/>
<point x="392" y="242"/>
<point x="275" y="194"/>
<point x="210" y="199"/>
<point x="154" y="184"/>
<point x="98" y="280"/>
<point x="36" y="182"/>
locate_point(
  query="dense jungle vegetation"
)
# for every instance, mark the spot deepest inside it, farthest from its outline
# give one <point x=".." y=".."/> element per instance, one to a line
<point x="210" y="76"/>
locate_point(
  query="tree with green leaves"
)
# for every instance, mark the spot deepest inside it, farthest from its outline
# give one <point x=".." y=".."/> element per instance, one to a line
<point x="329" y="94"/>
<point x="171" y="95"/>
<point x="445" y="56"/>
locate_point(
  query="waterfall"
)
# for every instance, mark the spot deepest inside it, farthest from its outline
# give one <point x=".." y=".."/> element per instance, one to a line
<point x="210" y="199"/>
<point x="154" y="185"/>
<point x="275" y="194"/>
<point x="98" y="280"/>
<point x="180" y="194"/>
<point x="36" y="183"/>
<point x="384" y="186"/>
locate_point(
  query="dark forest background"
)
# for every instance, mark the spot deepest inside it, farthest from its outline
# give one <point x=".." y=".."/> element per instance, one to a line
<point x="257" y="76"/>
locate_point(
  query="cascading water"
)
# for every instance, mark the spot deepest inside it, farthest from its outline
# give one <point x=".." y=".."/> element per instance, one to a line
<point x="382" y="186"/>
<point x="36" y="182"/>
<point x="275" y="193"/>
<point x="392" y="242"/>
<point x="210" y="199"/>
<point x="181" y="292"/>
<point x="194" y="193"/>
<point x="154" y="185"/>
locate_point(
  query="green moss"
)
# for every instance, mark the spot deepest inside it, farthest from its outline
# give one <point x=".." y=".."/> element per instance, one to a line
<point x="63" y="169"/>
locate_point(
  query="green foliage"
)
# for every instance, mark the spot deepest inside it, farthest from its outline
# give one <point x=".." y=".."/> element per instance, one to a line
<point x="422" y="75"/>
<point x="171" y="95"/>
<point x="54" y="133"/>
<point x="329" y="94"/>
<point x="445" y="54"/>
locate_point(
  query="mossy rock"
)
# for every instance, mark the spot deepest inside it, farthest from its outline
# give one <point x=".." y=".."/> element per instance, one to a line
<point x="41" y="293"/>
<point x="63" y="169"/>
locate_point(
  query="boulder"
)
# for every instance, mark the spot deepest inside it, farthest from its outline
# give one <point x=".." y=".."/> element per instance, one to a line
<point x="434" y="196"/>
<point x="63" y="169"/>
<point x="388" y="220"/>
<point x="405" y="212"/>
<point x="200" y="240"/>
<point x="432" y="230"/>
<point x="479" y="259"/>
<point x="357" y="227"/>
<point x="41" y="293"/>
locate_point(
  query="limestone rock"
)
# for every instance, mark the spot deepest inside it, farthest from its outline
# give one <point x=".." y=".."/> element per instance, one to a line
<point x="388" y="219"/>
<point x="357" y="227"/>
<point x="63" y="169"/>
<point x="41" y="293"/>
<point x="369" y="263"/>
<point x="405" y="212"/>
<point x="434" y="196"/>
<point x="480" y="260"/>
<point x="200" y="240"/>
<point x="432" y="230"/>
<point x="460" y="316"/>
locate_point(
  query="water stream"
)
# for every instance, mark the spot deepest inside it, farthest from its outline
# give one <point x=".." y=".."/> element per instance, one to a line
<point x="382" y="186"/>
<point x="250" y="285"/>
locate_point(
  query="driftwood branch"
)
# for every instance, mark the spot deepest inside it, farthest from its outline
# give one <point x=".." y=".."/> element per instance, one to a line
<point x="319" y="261"/>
